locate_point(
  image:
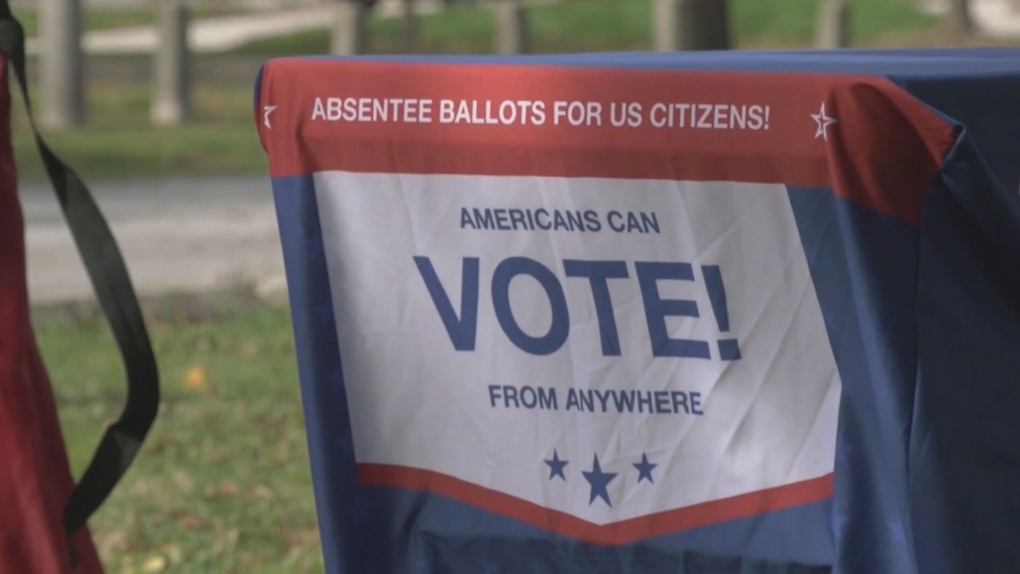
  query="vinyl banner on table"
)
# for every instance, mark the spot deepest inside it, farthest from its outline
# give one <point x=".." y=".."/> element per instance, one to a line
<point x="577" y="319"/>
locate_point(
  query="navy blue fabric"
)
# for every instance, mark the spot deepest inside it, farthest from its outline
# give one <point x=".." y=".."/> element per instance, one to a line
<point x="322" y="387"/>
<point x="864" y="268"/>
<point x="432" y="534"/>
<point x="965" y="448"/>
<point x="987" y="106"/>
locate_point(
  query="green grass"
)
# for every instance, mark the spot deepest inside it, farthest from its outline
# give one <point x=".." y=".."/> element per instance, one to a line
<point x="612" y="25"/>
<point x="120" y="142"/>
<point x="222" y="484"/>
<point x="793" y="22"/>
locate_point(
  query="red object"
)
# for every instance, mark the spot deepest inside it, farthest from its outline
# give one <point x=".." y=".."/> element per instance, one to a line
<point x="35" y="475"/>
<point x="446" y="134"/>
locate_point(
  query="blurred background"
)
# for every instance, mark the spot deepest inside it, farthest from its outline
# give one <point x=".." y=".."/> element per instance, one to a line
<point x="151" y="102"/>
<point x="108" y="97"/>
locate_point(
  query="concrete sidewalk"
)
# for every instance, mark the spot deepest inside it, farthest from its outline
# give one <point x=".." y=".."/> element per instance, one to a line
<point x="994" y="18"/>
<point x="178" y="236"/>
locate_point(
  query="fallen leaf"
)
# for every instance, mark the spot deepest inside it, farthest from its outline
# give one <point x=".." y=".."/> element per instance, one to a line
<point x="154" y="564"/>
<point x="197" y="380"/>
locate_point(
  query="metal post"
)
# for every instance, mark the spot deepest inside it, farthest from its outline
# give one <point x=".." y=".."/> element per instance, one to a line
<point x="666" y="24"/>
<point x="960" y="19"/>
<point x="512" y="33"/>
<point x="410" y="27"/>
<point x="62" y="64"/>
<point x="690" y="25"/>
<point x="350" y="28"/>
<point x="833" y="25"/>
<point x="171" y="102"/>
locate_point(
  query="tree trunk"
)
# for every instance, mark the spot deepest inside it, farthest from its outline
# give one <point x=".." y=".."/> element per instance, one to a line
<point x="690" y="25"/>
<point x="62" y="76"/>
<point x="712" y="25"/>
<point x="959" y="20"/>
<point x="410" y="28"/>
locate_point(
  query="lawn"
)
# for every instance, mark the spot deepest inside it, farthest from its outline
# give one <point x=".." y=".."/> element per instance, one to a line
<point x="119" y="142"/>
<point x="222" y="484"/>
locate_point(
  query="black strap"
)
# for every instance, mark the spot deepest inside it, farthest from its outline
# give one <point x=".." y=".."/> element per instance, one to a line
<point x="112" y="286"/>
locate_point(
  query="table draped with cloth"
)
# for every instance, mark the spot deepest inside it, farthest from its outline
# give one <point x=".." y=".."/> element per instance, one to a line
<point x="719" y="312"/>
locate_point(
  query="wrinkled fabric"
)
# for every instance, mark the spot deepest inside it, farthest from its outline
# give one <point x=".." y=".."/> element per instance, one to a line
<point x="35" y="475"/>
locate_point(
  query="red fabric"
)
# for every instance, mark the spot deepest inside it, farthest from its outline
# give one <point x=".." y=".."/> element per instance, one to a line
<point x="35" y="476"/>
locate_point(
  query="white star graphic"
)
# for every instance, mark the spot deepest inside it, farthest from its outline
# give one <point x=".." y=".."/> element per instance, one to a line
<point x="823" y="122"/>
<point x="266" y="110"/>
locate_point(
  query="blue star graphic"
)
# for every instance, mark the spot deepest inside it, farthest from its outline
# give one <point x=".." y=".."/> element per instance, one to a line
<point x="556" y="466"/>
<point x="599" y="481"/>
<point x="644" y="469"/>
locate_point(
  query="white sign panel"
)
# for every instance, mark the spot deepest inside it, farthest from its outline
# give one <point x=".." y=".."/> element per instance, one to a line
<point x="603" y="348"/>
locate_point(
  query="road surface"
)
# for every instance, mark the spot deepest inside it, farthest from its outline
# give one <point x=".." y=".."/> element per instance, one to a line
<point x="178" y="236"/>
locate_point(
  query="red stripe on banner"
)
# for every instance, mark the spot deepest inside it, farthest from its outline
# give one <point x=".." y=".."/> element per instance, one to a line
<point x="883" y="149"/>
<point x="889" y="150"/>
<point x="623" y="532"/>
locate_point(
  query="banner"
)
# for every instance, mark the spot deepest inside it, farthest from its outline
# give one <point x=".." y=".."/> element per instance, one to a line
<point x="556" y="319"/>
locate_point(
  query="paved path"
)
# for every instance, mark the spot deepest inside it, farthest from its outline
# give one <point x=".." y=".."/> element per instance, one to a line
<point x="178" y="236"/>
<point x="995" y="18"/>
